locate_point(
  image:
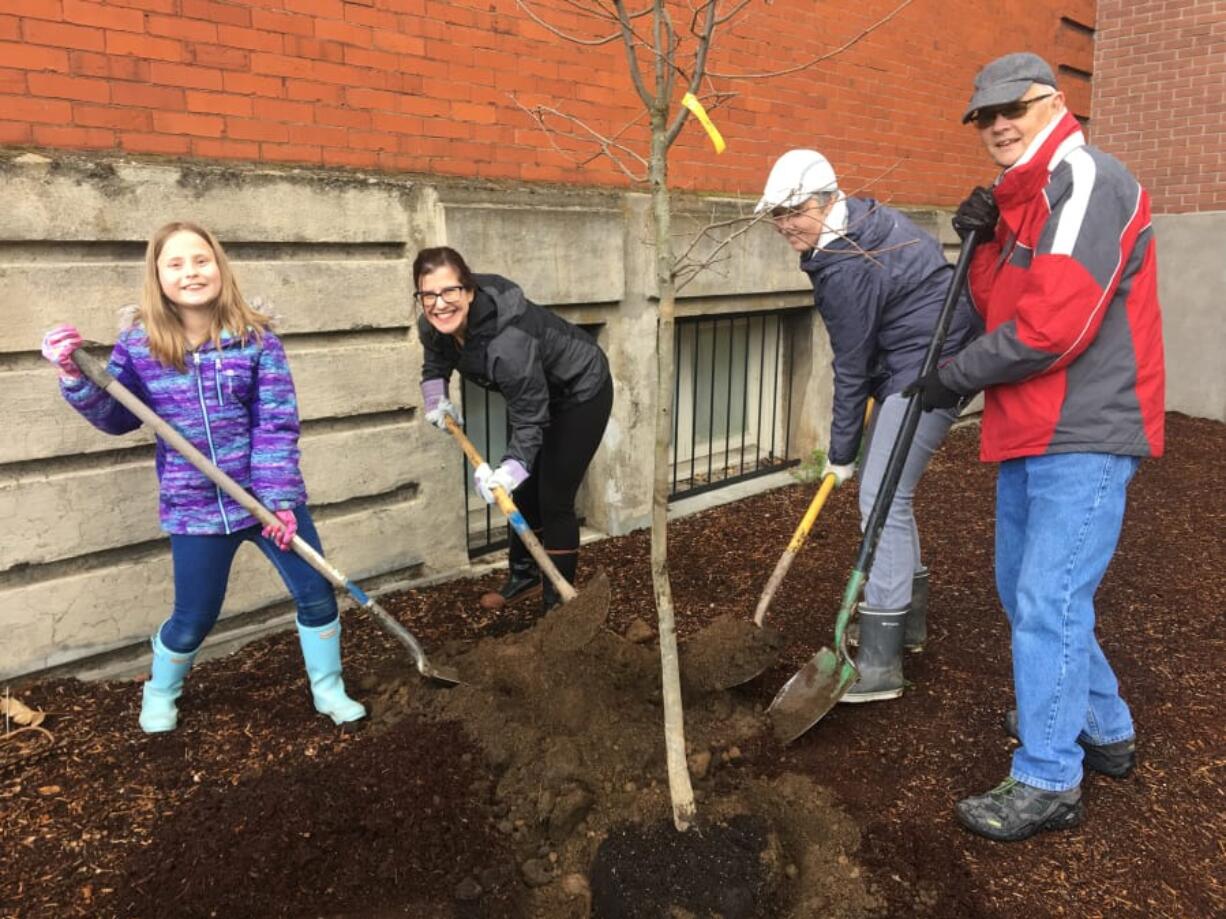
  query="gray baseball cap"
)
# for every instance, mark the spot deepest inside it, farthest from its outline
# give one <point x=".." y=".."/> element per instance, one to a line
<point x="1006" y="79"/>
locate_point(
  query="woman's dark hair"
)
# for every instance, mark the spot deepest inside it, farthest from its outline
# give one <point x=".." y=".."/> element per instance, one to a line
<point x="433" y="259"/>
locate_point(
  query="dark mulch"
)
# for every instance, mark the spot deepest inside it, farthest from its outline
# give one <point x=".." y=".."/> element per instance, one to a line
<point x="256" y="807"/>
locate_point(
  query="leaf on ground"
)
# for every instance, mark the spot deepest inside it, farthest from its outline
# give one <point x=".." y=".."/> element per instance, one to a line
<point x="22" y="714"/>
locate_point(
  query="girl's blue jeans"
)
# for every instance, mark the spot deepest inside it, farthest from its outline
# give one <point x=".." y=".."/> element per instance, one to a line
<point x="202" y="571"/>
<point x="1058" y="520"/>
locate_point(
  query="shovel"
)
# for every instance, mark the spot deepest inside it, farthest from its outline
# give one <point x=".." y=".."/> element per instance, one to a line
<point x="96" y="371"/>
<point x="731" y="654"/>
<point x="818" y="685"/>
<point x="592" y="614"/>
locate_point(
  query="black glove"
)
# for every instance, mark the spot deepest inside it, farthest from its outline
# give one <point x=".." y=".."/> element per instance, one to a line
<point x="977" y="215"/>
<point x="933" y="393"/>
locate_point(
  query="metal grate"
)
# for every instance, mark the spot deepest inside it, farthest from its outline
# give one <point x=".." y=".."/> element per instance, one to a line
<point x="485" y="423"/>
<point x="731" y="400"/>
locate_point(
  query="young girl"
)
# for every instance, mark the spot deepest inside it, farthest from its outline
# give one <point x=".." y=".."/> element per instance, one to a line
<point x="209" y="364"/>
<point x="558" y="390"/>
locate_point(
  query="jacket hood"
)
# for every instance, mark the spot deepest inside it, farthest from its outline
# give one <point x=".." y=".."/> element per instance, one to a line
<point x="506" y="294"/>
<point x="868" y="226"/>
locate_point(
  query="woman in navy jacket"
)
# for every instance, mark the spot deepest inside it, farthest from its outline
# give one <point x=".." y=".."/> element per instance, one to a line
<point x="878" y="282"/>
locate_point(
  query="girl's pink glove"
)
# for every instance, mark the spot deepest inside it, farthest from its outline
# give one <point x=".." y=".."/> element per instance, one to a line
<point x="58" y="345"/>
<point x="282" y="535"/>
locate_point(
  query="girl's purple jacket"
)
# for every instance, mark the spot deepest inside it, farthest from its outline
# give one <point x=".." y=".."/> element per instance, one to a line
<point x="236" y="405"/>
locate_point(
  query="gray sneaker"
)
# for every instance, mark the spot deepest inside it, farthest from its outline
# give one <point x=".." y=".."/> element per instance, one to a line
<point x="1113" y="759"/>
<point x="1013" y="811"/>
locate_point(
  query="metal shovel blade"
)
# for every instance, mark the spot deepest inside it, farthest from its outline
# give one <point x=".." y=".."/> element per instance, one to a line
<point x="806" y="698"/>
<point x="440" y="672"/>
<point x="575" y="623"/>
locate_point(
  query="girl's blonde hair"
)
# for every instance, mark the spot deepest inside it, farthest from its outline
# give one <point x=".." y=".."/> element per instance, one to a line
<point x="231" y="313"/>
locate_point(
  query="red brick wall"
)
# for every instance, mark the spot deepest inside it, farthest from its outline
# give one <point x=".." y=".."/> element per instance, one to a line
<point x="423" y="85"/>
<point x="1160" y="97"/>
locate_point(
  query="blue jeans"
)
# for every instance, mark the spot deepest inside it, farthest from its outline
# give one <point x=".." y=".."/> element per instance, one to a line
<point x="202" y="571"/>
<point x="898" y="551"/>
<point x="1058" y="520"/>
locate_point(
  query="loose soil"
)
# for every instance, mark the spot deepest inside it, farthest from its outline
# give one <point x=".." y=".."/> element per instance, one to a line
<point x="537" y="788"/>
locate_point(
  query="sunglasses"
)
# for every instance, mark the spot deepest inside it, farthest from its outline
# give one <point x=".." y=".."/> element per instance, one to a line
<point x="985" y="118"/>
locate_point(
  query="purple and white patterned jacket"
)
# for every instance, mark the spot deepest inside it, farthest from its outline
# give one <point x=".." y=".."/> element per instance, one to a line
<point x="236" y="405"/>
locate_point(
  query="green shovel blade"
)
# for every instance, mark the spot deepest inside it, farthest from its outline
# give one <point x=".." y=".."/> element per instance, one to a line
<point x="806" y="698"/>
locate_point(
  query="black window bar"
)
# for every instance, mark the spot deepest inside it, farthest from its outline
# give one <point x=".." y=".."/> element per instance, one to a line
<point x="485" y="413"/>
<point x="731" y="400"/>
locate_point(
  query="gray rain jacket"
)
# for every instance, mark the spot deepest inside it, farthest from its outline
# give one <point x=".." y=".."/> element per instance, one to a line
<point x="539" y="362"/>
<point x="879" y="291"/>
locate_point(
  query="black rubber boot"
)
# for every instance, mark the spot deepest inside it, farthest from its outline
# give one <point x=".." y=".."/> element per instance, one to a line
<point x="916" y="631"/>
<point x="523" y="576"/>
<point x="567" y="564"/>
<point x="880" y="657"/>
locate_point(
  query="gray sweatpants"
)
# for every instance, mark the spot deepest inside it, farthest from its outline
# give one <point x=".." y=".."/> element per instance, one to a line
<point x="898" y="551"/>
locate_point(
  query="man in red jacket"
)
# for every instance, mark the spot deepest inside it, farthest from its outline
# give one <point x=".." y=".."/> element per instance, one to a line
<point x="1072" y="373"/>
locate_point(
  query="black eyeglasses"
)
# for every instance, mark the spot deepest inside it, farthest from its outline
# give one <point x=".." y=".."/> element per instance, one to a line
<point x="449" y="295"/>
<point x="985" y="118"/>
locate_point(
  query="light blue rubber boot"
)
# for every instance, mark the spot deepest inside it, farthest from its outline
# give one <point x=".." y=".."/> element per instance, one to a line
<point x="158" y="711"/>
<point x="321" y="650"/>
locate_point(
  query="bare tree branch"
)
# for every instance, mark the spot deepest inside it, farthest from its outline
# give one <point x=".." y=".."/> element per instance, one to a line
<point x="668" y="59"/>
<point x="632" y="60"/>
<point x="606" y="145"/>
<point x="549" y="27"/>
<point x="700" y="63"/>
<point x="821" y="57"/>
<point x="731" y="14"/>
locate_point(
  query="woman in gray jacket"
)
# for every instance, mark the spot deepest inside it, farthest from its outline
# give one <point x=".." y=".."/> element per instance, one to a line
<point x="558" y="391"/>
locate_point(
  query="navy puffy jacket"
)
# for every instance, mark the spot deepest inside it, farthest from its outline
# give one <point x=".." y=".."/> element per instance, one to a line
<point x="879" y="291"/>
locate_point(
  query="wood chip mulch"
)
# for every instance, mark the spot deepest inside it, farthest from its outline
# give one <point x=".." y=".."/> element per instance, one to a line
<point x="258" y="807"/>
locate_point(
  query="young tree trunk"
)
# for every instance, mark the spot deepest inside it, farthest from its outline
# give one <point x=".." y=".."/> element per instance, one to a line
<point x="680" y="791"/>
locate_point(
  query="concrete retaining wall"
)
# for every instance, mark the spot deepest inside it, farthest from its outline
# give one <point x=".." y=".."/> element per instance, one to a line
<point x="83" y="566"/>
<point x="84" y="569"/>
<point x="1192" y="290"/>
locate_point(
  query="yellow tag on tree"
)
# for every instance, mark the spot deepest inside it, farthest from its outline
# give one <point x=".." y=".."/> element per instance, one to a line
<point x="690" y="101"/>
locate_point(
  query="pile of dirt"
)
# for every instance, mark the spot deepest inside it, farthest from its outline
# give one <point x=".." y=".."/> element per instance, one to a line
<point x="728" y="652"/>
<point x="569" y="718"/>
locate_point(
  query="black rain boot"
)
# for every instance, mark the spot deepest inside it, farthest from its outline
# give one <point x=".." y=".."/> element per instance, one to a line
<point x="916" y="631"/>
<point x="567" y="564"/>
<point x="880" y="657"/>
<point x="523" y="577"/>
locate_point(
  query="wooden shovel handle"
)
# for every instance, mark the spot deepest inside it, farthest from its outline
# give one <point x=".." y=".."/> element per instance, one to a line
<point x="789" y="554"/>
<point x="515" y="518"/>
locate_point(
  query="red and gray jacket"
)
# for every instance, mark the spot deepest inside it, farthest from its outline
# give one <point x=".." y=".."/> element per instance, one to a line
<point x="1072" y="358"/>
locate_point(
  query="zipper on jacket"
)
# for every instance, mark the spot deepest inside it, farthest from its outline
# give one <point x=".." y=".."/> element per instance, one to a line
<point x="208" y="435"/>
<point x="221" y="399"/>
